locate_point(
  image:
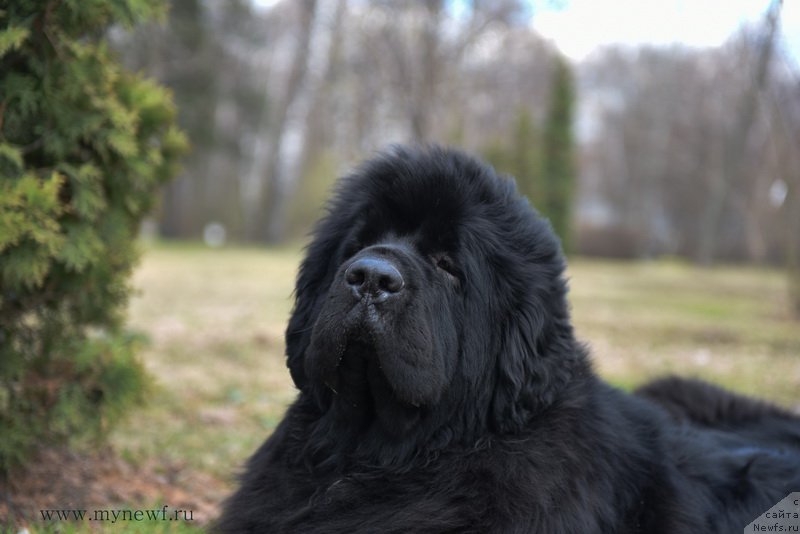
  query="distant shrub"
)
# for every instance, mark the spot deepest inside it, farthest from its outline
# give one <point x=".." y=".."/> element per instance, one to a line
<point x="313" y="190"/>
<point x="84" y="147"/>
<point x="542" y="158"/>
<point x="608" y="242"/>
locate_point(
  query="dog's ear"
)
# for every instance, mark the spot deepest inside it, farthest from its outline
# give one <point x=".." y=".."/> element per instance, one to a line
<point x="536" y="361"/>
<point x="536" y="356"/>
<point x="316" y="275"/>
<point x="301" y="322"/>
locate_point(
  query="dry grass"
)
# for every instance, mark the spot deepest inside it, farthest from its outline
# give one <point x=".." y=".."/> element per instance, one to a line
<point x="731" y="325"/>
<point x="215" y="320"/>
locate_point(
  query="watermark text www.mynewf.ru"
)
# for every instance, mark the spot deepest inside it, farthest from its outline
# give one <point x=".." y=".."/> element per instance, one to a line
<point x="110" y="516"/>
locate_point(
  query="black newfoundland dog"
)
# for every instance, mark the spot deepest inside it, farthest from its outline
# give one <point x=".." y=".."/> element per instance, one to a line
<point x="442" y="388"/>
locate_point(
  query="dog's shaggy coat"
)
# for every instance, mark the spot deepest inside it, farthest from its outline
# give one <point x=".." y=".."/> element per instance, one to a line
<point x="442" y="388"/>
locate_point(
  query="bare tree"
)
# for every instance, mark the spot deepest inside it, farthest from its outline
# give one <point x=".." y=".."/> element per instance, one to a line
<point x="736" y="142"/>
<point x="274" y="194"/>
<point x="679" y="155"/>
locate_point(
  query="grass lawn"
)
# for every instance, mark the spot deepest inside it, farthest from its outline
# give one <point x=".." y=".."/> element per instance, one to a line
<point x="730" y="325"/>
<point x="215" y="320"/>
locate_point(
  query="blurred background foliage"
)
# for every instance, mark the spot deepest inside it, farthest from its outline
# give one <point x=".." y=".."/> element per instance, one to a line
<point x="634" y="152"/>
<point x="661" y="134"/>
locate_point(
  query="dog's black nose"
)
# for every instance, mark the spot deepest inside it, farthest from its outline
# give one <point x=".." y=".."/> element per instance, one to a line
<point x="375" y="277"/>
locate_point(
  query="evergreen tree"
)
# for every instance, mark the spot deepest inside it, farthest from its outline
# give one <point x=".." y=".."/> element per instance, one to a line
<point x="525" y="157"/>
<point x="559" y="173"/>
<point x="520" y="157"/>
<point x="84" y="147"/>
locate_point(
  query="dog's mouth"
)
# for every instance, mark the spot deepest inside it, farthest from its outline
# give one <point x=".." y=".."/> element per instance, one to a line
<point x="361" y="391"/>
<point x="372" y="354"/>
<point x="358" y="373"/>
<point x="348" y="376"/>
<point x="347" y="350"/>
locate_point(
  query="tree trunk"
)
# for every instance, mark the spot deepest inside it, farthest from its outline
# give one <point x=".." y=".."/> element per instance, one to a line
<point x="736" y="142"/>
<point x="274" y="199"/>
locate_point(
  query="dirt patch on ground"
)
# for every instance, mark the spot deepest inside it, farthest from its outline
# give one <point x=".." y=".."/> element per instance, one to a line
<point x="59" y="479"/>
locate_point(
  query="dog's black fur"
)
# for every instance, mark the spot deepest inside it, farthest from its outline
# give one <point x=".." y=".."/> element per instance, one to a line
<point x="444" y="390"/>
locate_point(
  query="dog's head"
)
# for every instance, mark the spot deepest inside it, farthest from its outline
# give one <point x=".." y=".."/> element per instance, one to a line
<point x="430" y="289"/>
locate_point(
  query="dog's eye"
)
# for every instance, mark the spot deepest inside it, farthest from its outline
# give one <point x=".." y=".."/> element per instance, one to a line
<point x="445" y="263"/>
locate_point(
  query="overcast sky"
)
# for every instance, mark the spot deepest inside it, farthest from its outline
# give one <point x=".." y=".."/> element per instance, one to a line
<point x="577" y="27"/>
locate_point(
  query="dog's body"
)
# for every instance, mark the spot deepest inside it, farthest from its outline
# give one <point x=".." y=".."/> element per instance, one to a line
<point x="442" y="388"/>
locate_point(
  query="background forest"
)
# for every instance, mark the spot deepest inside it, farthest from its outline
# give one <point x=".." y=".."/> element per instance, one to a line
<point x="679" y="151"/>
